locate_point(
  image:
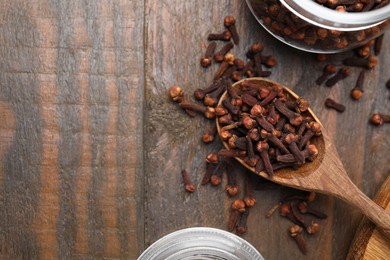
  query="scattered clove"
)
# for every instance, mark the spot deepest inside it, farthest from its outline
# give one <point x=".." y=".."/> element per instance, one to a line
<point x="224" y="36"/>
<point x="328" y="70"/>
<point x="188" y="185"/>
<point x="357" y="91"/>
<point x="379" y="119"/>
<point x="340" y="75"/>
<point x="208" y="56"/>
<point x="230" y="23"/>
<point x="330" y="103"/>
<point x="296" y="233"/>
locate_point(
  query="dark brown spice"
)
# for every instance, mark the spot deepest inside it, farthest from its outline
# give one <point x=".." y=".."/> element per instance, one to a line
<point x="242" y="226"/>
<point x="262" y="148"/>
<point x="365" y="62"/>
<point x="209" y="134"/>
<point x="275" y="91"/>
<point x="363" y="51"/>
<point x="328" y="70"/>
<point x="296" y="233"/>
<point x="234" y="110"/>
<point x="304" y="208"/>
<point x="234" y="216"/>
<point x="330" y="103"/>
<point x="249" y="197"/>
<point x="206" y="60"/>
<point x="228" y="60"/>
<point x="340" y="75"/>
<point x="232" y="186"/>
<point x="188" y="185"/>
<point x="238" y="205"/>
<point x="269" y="61"/>
<point x="294" y="118"/>
<point x="212" y="158"/>
<point x="357" y="91"/>
<point x="224" y="36"/>
<point x="285" y="211"/>
<point x="310" y="152"/>
<point x="230" y="23"/>
<point x="231" y="153"/>
<point x="277" y="142"/>
<point x="313" y="228"/>
<point x="211" y="99"/>
<point x="378" y="44"/>
<point x="210" y="168"/>
<point x="291" y="141"/>
<point x="218" y="57"/>
<point x="199" y="93"/>
<point x="314" y="128"/>
<point x="208" y="112"/>
<point x="252" y="159"/>
<point x="299" y="216"/>
<point x="216" y="178"/>
<point x="379" y="119"/>
<point x="175" y="92"/>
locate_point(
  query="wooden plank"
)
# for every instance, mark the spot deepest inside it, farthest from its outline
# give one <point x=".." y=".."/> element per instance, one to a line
<point x="71" y="93"/>
<point x="368" y="242"/>
<point x="76" y="145"/>
<point x="176" y="39"/>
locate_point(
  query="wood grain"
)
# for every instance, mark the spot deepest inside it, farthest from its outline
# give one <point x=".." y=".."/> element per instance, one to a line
<point x="91" y="148"/>
<point x="174" y="140"/>
<point x="368" y="243"/>
<point x="71" y="92"/>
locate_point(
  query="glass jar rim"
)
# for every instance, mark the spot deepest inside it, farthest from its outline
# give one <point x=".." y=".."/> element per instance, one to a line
<point x="325" y="17"/>
<point x="201" y="243"/>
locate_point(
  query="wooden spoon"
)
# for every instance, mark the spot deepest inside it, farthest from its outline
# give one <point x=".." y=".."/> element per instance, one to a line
<point x="325" y="174"/>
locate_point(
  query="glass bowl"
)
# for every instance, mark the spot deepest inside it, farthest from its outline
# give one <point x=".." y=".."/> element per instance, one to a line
<point x="200" y="243"/>
<point x="309" y="26"/>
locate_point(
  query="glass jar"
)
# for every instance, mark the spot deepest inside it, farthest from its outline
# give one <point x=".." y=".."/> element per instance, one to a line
<point x="201" y="243"/>
<point x="309" y="26"/>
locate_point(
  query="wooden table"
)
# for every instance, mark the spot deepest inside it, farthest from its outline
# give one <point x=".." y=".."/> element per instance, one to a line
<point x="91" y="147"/>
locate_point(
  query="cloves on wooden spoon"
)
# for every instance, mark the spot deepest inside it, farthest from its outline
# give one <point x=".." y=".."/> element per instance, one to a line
<point x="325" y="174"/>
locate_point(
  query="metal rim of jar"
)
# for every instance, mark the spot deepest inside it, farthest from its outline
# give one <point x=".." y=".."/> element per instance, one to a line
<point x="327" y="18"/>
<point x="181" y="243"/>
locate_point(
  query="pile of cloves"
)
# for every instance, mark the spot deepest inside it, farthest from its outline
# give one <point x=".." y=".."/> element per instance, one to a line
<point x="289" y="26"/>
<point x="364" y="58"/>
<point x="299" y="210"/>
<point x="266" y="127"/>
<point x="262" y="124"/>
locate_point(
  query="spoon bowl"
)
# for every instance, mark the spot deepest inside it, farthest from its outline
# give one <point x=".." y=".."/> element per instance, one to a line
<point x="325" y="174"/>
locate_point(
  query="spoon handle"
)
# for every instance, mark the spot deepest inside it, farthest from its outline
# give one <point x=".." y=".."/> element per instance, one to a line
<point x="373" y="211"/>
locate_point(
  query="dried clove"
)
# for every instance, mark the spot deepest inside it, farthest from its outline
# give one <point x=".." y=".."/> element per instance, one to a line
<point x="379" y="119"/>
<point x="208" y="112"/>
<point x="357" y="91"/>
<point x="188" y="185"/>
<point x="249" y="197"/>
<point x="209" y="134"/>
<point x="219" y="56"/>
<point x="230" y="23"/>
<point x="296" y="233"/>
<point x="224" y="36"/>
<point x="328" y="70"/>
<point x="208" y="56"/>
<point x="330" y="103"/>
<point x="340" y="75"/>
<point x="364" y="62"/>
<point x="232" y="186"/>
<point x="238" y="205"/>
<point x="242" y="226"/>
